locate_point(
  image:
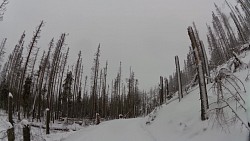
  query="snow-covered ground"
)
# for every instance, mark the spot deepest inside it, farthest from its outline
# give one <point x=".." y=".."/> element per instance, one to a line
<point x="177" y="121"/>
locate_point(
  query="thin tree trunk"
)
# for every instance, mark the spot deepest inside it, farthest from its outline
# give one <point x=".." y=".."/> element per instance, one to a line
<point x="180" y="93"/>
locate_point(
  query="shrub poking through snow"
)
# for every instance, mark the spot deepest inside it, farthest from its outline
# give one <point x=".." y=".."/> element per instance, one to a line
<point x="227" y="95"/>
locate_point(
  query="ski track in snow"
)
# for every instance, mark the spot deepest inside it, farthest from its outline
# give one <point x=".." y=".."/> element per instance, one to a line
<point x="119" y="130"/>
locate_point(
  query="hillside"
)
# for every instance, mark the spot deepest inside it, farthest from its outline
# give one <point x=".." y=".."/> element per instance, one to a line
<point x="176" y="121"/>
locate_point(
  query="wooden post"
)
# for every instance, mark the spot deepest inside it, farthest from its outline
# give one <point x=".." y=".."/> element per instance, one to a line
<point x="47" y="120"/>
<point x="180" y="93"/>
<point x="202" y="84"/>
<point x="10" y="99"/>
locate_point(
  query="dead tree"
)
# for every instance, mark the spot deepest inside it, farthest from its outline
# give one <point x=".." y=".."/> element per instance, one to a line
<point x="64" y="61"/>
<point x="2" y="48"/>
<point x="53" y="72"/>
<point x="43" y="66"/>
<point x="202" y="84"/>
<point x="80" y="95"/>
<point x="33" y="84"/>
<point x="99" y="102"/>
<point x="226" y="94"/>
<point x="76" y="83"/>
<point x="104" y="93"/>
<point x="161" y="90"/>
<point x="15" y="68"/>
<point x="30" y="48"/>
<point x="95" y="70"/>
<point x="84" y="101"/>
<point x="180" y="93"/>
<point x="3" y="8"/>
<point x="166" y="89"/>
<point x="205" y="61"/>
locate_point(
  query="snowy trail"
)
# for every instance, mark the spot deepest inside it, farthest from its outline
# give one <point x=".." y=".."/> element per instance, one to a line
<point x="117" y="130"/>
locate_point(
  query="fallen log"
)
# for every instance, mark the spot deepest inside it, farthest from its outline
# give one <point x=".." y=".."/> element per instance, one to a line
<point x="52" y="128"/>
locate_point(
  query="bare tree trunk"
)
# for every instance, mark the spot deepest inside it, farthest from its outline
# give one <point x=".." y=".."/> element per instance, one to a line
<point x="60" y="85"/>
<point x="54" y="72"/>
<point x="166" y="89"/>
<point x="84" y="97"/>
<point x="180" y="93"/>
<point x="104" y="106"/>
<point x="161" y="91"/>
<point x="31" y="47"/>
<point x="94" y="86"/>
<point x="43" y="66"/>
<point x="202" y="84"/>
<point x="205" y="62"/>
<point x="33" y="91"/>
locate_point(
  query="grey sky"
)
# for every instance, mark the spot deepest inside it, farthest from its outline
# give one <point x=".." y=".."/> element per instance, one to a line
<point x="143" y="34"/>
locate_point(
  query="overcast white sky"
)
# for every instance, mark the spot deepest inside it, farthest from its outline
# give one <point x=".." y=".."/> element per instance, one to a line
<point x="143" y="34"/>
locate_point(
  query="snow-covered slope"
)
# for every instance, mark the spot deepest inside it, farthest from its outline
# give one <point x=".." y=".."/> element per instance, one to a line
<point x="116" y="130"/>
<point x="176" y="121"/>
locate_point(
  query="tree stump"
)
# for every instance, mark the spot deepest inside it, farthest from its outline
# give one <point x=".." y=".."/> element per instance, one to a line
<point x="47" y="120"/>
<point x="11" y="134"/>
<point x="26" y="133"/>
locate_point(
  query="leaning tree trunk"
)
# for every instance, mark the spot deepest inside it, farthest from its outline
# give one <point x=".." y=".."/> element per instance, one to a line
<point x="31" y="47"/>
<point x="202" y="84"/>
<point x="205" y="62"/>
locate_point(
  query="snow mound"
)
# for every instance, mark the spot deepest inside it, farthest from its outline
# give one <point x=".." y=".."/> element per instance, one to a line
<point x="10" y="95"/>
<point x="24" y="123"/>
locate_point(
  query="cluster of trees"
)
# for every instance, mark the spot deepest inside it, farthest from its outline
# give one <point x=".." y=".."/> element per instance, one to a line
<point x="221" y="37"/>
<point x="51" y="83"/>
<point x="226" y="35"/>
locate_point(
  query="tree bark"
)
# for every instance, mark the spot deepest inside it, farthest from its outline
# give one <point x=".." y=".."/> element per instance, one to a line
<point x="202" y="84"/>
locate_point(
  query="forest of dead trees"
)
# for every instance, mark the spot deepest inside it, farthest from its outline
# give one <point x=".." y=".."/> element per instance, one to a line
<point x="50" y="82"/>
